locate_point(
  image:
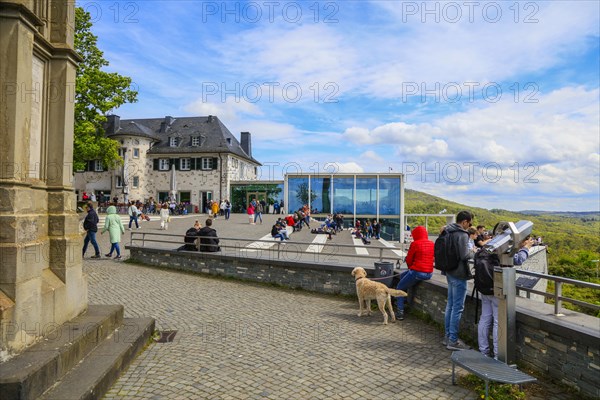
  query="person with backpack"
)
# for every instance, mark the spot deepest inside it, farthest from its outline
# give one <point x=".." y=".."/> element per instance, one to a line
<point x="420" y="265"/>
<point x="451" y="257"/>
<point x="484" y="284"/>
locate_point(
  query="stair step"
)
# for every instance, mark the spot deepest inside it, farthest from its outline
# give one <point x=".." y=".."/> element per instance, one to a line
<point x="29" y="374"/>
<point x="93" y="376"/>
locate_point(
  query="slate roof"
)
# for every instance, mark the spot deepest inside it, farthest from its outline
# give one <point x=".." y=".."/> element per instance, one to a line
<point x="133" y="128"/>
<point x="213" y="135"/>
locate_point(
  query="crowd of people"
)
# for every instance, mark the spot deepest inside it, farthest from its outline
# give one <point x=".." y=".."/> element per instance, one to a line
<point x="468" y="243"/>
<point x="367" y="230"/>
<point x="466" y="239"/>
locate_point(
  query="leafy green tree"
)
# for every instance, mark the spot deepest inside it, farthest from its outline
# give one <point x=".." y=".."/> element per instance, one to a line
<point x="96" y="93"/>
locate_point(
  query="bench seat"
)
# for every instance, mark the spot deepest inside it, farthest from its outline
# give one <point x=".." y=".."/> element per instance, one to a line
<point x="487" y="369"/>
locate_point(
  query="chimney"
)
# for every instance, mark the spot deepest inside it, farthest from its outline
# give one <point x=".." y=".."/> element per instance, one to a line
<point x="113" y="124"/>
<point x="209" y="119"/>
<point x="246" y="142"/>
<point x="166" y="124"/>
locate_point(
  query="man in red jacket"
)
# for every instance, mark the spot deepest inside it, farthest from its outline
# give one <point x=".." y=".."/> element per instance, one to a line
<point x="420" y="265"/>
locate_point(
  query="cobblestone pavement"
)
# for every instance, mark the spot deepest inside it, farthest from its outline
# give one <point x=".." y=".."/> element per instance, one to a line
<point x="244" y="341"/>
<point x="238" y="340"/>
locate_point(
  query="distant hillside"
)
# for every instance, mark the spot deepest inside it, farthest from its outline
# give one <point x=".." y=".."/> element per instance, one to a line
<point x="584" y="215"/>
<point x="566" y="235"/>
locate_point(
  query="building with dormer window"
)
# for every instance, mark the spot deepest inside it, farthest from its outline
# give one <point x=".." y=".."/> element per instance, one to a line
<point x="190" y="159"/>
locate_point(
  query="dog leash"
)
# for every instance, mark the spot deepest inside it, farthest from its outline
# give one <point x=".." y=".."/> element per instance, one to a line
<point x="385" y="277"/>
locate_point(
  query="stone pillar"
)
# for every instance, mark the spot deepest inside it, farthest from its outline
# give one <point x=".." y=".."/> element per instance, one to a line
<point x="41" y="279"/>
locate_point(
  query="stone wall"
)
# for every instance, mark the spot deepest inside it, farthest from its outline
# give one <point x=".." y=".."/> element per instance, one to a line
<point x="41" y="278"/>
<point x="563" y="349"/>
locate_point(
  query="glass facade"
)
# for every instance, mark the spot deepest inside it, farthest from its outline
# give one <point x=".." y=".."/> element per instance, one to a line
<point x="357" y="196"/>
<point x="366" y="196"/>
<point x="297" y="193"/>
<point x="243" y="193"/>
<point x="389" y="192"/>
<point x="343" y="195"/>
<point x="320" y="193"/>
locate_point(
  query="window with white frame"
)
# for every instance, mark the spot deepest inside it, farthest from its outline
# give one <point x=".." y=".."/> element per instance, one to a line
<point x="207" y="163"/>
<point x="136" y="182"/>
<point x="163" y="164"/>
<point x="173" y="142"/>
<point x="98" y="166"/>
<point x="196" y="141"/>
<point x="136" y="153"/>
<point x="119" y="181"/>
<point x="185" y="164"/>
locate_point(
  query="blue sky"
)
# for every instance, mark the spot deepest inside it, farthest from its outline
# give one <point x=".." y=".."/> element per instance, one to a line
<point x="492" y="104"/>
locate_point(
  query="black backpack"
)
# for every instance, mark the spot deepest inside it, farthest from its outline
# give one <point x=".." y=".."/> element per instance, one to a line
<point x="445" y="252"/>
<point x="484" y="271"/>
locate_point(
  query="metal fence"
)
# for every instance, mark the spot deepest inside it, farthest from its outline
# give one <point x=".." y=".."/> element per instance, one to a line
<point x="333" y="253"/>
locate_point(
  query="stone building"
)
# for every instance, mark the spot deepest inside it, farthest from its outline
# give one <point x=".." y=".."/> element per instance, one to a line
<point x="191" y="159"/>
<point x="41" y="280"/>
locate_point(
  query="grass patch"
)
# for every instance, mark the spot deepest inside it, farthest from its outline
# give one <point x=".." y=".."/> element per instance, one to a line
<point x="497" y="391"/>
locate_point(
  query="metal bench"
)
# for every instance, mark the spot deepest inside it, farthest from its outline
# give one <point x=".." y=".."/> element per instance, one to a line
<point x="487" y="369"/>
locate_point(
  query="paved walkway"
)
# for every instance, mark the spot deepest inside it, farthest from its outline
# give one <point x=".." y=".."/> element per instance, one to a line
<point x="240" y="340"/>
<point x="244" y="341"/>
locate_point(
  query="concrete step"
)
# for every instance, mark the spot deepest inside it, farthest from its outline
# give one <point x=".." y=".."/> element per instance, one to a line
<point x="32" y="372"/>
<point x="93" y="376"/>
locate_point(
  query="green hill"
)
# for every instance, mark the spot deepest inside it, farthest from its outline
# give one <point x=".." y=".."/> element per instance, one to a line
<point x="573" y="242"/>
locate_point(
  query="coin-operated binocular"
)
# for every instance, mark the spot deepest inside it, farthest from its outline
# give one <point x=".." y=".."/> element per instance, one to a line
<point x="507" y="238"/>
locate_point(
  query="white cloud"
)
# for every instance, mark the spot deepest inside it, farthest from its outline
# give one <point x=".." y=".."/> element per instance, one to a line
<point x="517" y="149"/>
<point x="371" y="156"/>
<point x="228" y="110"/>
<point x="348" y="167"/>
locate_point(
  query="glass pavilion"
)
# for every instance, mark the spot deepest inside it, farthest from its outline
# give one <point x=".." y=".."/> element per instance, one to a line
<point x="357" y="196"/>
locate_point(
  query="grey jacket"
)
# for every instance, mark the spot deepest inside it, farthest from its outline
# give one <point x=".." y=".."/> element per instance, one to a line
<point x="460" y="239"/>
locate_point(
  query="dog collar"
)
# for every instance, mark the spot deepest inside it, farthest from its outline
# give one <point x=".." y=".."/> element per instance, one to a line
<point x="359" y="278"/>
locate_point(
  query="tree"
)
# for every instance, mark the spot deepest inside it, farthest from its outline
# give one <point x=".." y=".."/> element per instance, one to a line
<point x="96" y="93"/>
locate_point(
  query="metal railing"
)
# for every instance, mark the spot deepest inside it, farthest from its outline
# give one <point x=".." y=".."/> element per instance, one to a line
<point x="276" y="247"/>
<point x="383" y="253"/>
<point x="558" y="286"/>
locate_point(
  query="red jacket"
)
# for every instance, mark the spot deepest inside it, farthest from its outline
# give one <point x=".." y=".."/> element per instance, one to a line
<point x="420" y="252"/>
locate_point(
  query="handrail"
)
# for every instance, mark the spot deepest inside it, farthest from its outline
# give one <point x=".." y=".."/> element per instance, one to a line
<point x="557" y="295"/>
<point x="278" y="249"/>
<point x="289" y="248"/>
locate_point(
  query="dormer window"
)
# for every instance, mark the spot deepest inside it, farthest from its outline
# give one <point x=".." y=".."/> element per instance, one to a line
<point x="173" y="142"/>
<point x="195" y="141"/>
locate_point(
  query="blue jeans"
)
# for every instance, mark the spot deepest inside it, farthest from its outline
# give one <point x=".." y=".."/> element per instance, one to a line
<point x="114" y="246"/>
<point x="133" y="218"/>
<point x="90" y="237"/>
<point x="408" y="279"/>
<point x="257" y="216"/>
<point x="457" y="292"/>
<point x="227" y="213"/>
